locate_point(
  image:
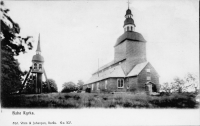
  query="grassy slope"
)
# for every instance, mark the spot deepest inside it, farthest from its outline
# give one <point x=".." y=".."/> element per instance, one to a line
<point x="80" y="100"/>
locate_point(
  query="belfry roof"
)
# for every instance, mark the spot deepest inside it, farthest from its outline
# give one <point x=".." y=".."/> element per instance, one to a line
<point x="130" y="36"/>
<point x="38" y="46"/>
<point x="129" y="21"/>
<point x="38" y="57"/>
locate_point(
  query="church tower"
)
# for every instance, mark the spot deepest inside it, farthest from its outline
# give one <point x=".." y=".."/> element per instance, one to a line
<point x="37" y="68"/>
<point x="130" y="45"/>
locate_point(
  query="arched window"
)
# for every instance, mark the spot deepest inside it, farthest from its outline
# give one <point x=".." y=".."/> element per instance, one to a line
<point x="131" y="28"/>
<point x="127" y="28"/>
<point x="35" y="65"/>
<point x="120" y="83"/>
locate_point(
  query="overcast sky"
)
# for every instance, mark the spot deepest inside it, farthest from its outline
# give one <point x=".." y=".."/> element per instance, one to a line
<point x="75" y="34"/>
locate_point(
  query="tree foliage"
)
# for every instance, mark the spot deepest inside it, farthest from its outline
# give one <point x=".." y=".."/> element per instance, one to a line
<point x="12" y="44"/>
<point x="190" y="82"/>
<point x="30" y="86"/>
<point x="49" y="86"/>
<point x="80" y="84"/>
<point x="68" y="87"/>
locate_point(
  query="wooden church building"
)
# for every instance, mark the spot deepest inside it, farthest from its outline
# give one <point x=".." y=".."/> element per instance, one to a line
<point x="129" y="71"/>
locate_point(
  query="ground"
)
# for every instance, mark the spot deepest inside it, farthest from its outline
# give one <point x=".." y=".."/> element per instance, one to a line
<point x="100" y="100"/>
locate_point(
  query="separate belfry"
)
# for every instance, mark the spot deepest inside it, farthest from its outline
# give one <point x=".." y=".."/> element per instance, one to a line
<point x="37" y="68"/>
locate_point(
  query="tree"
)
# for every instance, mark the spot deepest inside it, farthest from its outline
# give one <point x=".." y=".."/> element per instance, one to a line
<point x="12" y="44"/>
<point x="30" y="87"/>
<point x="80" y="84"/>
<point x="68" y="87"/>
<point x="181" y="85"/>
<point x="166" y="87"/>
<point x="49" y="83"/>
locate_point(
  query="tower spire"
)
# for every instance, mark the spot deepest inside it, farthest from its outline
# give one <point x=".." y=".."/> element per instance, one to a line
<point x="38" y="47"/>
<point x="128" y="4"/>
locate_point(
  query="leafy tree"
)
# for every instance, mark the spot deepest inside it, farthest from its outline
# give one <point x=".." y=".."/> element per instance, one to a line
<point x="167" y="87"/>
<point x="181" y="85"/>
<point x="12" y="44"/>
<point x="80" y="84"/>
<point x="29" y="87"/>
<point x="49" y="83"/>
<point x="68" y="87"/>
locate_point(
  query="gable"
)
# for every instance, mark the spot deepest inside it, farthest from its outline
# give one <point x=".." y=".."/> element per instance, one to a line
<point x="137" y="69"/>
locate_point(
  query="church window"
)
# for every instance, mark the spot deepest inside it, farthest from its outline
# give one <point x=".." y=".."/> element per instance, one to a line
<point x="148" y="78"/>
<point x="35" y="65"/>
<point x="131" y="28"/>
<point x="148" y="70"/>
<point x="120" y="83"/>
<point x="98" y="86"/>
<point x="92" y="86"/>
<point x="127" y="28"/>
<point x="106" y="82"/>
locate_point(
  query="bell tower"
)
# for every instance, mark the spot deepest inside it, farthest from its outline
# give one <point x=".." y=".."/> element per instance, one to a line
<point x="130" y="46"/>
<point x="37" y="68"/>
<point x="129" y="24"/>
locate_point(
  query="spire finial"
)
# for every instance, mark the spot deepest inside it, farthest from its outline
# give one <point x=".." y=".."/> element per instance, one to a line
<point x="128" y="4"/>
<point x="38" y="47"/>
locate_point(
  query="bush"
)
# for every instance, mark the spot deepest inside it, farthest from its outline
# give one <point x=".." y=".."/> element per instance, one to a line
<point x="69" y="87"/>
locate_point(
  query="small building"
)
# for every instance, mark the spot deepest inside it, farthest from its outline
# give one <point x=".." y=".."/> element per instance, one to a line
<point x="129" y="71"/>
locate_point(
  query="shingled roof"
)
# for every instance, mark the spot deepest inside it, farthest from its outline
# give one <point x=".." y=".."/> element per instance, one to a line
<point x="137" y="69"/>
<point x="109" y="64"/>
<point x="129" y="21"/>
<point x="130" y="36"/>
<point x="115" y="71"/>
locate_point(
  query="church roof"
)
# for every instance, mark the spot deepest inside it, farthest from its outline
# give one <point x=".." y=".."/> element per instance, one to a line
<point x="137" y="69"/>
<point x="130" y="36"/>
<point x="109" y="64"/>
<point x="115" y="71"/>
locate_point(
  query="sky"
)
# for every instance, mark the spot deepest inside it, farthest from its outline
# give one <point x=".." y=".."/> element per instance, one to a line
<point x="75" y="34"/>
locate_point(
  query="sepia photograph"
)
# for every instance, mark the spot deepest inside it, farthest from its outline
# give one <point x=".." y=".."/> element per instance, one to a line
<point x="117" y="61"/>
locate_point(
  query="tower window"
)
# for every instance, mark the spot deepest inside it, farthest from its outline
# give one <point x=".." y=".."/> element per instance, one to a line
<point x="131" y="28"/>
<point x="120" y="83"/>
<point x="40" y="66"/>
<point x="35" y="65"/>
<point x="127" y="28"/>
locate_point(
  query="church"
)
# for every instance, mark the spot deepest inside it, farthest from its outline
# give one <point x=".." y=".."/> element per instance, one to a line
<point x="129" y="71"/>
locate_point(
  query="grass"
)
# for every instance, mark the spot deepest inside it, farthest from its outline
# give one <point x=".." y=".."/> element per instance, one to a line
<point x="88" y="100"/>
